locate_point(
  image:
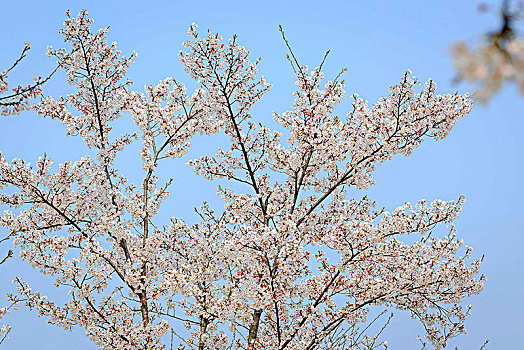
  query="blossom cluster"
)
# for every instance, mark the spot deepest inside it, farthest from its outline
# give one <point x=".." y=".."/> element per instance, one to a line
<point x="498" y="59"/>
<point x="5" y="329"/>
<point x="490" y="65"/>
<point x="19" y="98"/>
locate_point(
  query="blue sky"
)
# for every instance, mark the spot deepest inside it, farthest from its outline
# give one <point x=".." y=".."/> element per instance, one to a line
<point x="377" y="41"/>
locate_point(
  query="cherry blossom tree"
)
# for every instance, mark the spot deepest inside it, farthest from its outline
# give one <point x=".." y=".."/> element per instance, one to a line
<point x="500" y="56"/>
<point x="289" y="263"/>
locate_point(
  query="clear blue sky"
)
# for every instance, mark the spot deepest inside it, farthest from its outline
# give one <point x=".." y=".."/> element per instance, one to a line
<point x="377" y="41"/>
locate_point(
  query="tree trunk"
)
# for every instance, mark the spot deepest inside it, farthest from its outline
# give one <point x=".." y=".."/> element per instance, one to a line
<point x="253" y="329"/>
